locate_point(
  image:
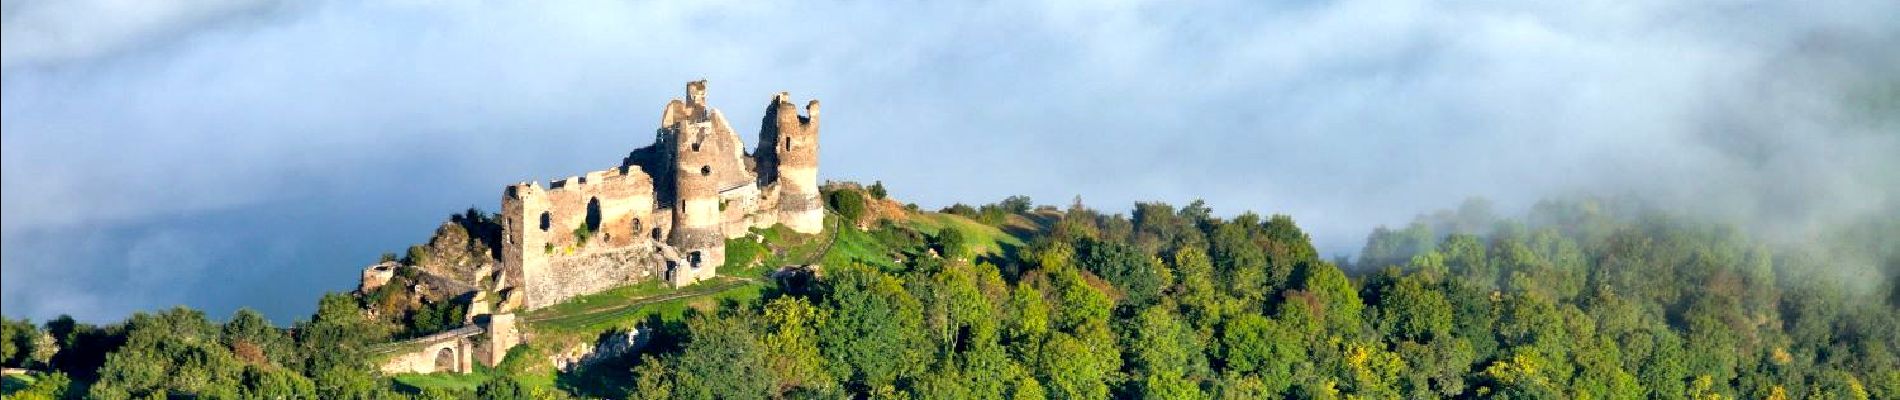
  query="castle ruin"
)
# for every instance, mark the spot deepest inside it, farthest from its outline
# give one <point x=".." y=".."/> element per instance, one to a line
<point x="666" y="211"/>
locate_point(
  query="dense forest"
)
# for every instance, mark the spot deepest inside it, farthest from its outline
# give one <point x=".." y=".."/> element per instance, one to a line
<point x="1578" y="299"/>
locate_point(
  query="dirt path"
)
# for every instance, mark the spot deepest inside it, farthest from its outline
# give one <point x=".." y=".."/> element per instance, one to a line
<point x="829" y="240"/>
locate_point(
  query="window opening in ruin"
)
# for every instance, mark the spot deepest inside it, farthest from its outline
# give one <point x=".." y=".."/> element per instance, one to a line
<point x="636" y="226"/>
<point x="547" y="221"/>
<point x="593" y="214"/>
<point x="656" y="234"/>
<point x="788" y="143"/>
<point x="693" y="259"/>
<point x="705" y="170"/>
<point x="695" y="146"/>
<point x="445" y="360"/>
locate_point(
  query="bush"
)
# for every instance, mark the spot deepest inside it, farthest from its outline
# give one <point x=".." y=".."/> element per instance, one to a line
<point x="503" y="387"/>
<point x="848" y="204"/>
<point x="877" y="190"/>
<point x="581" y="234"/>
<point x="960" y="209"/>
<point x="951" y="243"/>
<point x="417" y="254"/>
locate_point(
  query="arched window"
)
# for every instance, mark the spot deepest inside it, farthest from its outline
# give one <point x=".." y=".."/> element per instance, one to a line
<point x="593" y="214"/>
<point x="787" y="143"/>
<point x="547" y="221"/>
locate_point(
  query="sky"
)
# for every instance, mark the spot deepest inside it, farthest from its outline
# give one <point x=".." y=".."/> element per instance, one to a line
<point x="219" y="154"/>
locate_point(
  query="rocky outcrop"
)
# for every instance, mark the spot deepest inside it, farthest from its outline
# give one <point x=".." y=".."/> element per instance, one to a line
<point x="610" y="345"/>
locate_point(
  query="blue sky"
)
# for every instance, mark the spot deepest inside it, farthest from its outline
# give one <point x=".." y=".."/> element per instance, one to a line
<point x="225" y="153"/>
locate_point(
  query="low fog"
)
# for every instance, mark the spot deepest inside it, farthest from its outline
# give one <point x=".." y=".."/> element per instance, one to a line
<point x="256" y="153"/>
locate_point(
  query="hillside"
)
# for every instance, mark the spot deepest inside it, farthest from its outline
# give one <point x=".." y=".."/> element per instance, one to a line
<point x="1578" y="299"/>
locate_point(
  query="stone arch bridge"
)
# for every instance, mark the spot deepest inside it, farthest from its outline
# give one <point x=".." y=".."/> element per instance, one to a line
<point x="448" y="351"/>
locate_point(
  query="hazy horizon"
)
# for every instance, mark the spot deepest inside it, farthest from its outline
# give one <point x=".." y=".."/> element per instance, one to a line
<point x="258" y="153"/>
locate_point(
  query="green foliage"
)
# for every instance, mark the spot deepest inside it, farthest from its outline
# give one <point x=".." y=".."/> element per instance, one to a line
<point x="504" y="388"/>
<point x="1137" y="275"/>
<point x="723" y="359"/>
<point x="583" y="232"/>
<point x="176" y="352"/>
<point x="875" y="335"/>
<point x="416" y="255"/>
<point x="1241" y="264"/>
<point x="47" y="386"/>
<point x="23" y="345"/>
<point x="436" y="317"/>
<point x="951" y="244"/>
<point x="1163" y="355"/>
<point x="877" y="190"/>
<point x="1573" y="301"/>
<point x="849" y="204"/>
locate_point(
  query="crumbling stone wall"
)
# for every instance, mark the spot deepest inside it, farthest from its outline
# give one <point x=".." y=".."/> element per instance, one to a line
<point x="788" y="144"/>
<point x="666" y="211"/>
<point x="567" y="240"/>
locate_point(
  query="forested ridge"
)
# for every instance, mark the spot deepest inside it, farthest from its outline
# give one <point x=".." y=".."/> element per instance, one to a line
<point x="1578" y="299"/>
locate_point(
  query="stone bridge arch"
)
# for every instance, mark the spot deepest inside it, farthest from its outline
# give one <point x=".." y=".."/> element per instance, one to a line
<point x="451" y="351"/>
<point x="446" y="360"/>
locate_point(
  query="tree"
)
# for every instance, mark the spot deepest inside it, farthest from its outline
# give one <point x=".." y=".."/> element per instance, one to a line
<point x="47" y="386"/>
<point x="790" y="343"/>
<point x="875" y="335"/>
<point x="276" y="383"/>
<point x="849" y="204"/>
<point x="1017" y="204"/>
<point x="1252" y="344"/>
<point x="253" y="340"/>
<point x="723" y="359"/>
<point x="503" y="388"/>
<point x="336" y="341"/>
<point x="1073" y="369"/>
<point x="877" y="190"/>
<point x="23" y="345"/>
<point x="951" y="243"/>
<point x="1162" y="354"/>
<point x="1414" y="310"/>
<point x="1134" y="273"/>
<point x="175" y="352"/>
<point x="1240" y="263"/>
<point x="1338" y="300"/>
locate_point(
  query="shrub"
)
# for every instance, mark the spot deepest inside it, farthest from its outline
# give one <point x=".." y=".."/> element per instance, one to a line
<point x="848" y="204"/>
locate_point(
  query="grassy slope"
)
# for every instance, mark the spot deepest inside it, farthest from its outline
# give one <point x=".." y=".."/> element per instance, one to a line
<point x="586" y="317"/>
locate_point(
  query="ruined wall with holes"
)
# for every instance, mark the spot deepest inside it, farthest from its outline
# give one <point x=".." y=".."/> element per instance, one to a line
<point x="667" y="210"/>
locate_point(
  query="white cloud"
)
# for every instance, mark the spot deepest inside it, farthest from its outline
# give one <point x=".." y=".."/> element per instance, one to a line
<point x="53" y="31"/>
<point x="349" y="128"/>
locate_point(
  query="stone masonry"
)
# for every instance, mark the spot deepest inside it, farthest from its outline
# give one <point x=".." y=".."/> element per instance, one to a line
<point x="666" y="210"/>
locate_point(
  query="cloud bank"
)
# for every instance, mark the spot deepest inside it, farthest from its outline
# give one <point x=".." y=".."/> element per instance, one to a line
<point x="221" y="154"/>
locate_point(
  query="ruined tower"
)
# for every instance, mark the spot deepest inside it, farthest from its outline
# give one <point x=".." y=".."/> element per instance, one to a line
<point x="696" y="234"/>
<point x="790" y="142"/>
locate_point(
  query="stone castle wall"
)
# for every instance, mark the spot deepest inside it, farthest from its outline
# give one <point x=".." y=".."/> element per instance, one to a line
<point x="667" y="210"/>
<point x="555" y="239"/>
